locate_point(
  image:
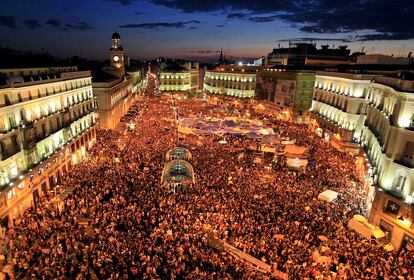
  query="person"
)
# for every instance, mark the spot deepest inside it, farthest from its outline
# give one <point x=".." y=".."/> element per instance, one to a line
<point x="121" y="223"/>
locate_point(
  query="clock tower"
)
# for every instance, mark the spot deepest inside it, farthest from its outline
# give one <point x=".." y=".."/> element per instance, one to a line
<point x="117" y="54"/>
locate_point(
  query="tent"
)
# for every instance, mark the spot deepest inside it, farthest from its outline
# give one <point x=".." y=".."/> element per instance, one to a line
<point x="252" y="135"/>
<point x="287" y="142"/>
<point x="296" y="163"/>
<point x="266" y="131"/>
<point x="328" y="196"/>
<point x="270" y="139"/>
<point x="295" y="150"/>
<point x="185" y="130"/>
<point x="268" y="149"/>
<point x="229" y="123"/>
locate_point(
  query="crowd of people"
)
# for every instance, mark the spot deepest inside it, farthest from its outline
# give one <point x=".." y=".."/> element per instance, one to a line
<point x="121" y="223"/>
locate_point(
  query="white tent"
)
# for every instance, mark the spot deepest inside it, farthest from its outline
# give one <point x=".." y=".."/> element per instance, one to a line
<point x="287" y="142"/>
<point x="328" y="195"/>
<point x="296" y="163"/>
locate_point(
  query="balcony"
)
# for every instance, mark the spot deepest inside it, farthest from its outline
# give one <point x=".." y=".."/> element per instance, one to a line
<point x="9" y="151"/>
<point x="29" y="143"/>
<point x="405" y="161"/>
<point x="376" y="133"/>
<point x="342" y="108"/>
<point x="41" y="136"/>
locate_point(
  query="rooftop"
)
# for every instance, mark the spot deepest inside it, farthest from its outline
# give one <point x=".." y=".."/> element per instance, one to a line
<point x="103" y="77"/>
<point x="174" y="68"/>
<point x="399" y="81"/>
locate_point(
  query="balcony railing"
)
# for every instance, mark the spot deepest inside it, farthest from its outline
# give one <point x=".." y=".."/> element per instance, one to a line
<point x="376" y="133"/>
<point x="404" y="161"/>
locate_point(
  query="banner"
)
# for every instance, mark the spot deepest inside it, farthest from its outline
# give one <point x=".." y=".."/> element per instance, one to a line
<point x="285" y="92"/>
<point x="392" y="208"/>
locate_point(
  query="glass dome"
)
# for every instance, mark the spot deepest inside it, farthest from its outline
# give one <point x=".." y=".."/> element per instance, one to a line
<point x="178" y="171"/>
<point x="178" y="153"/>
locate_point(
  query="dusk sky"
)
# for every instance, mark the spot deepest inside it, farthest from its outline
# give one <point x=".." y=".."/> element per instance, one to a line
<point x="199" y="28"/>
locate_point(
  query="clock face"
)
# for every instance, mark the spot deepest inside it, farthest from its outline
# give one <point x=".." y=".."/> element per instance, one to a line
<point x="116" y="58"/>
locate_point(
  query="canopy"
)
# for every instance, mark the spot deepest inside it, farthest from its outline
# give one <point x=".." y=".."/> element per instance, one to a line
<point x="185" y="130"/>
<point x="295" y="150"/>
<point x="270" y="139"/>
<point x="328" y="196"/>
<point x="266" y="131"/>
<point x="229" y="123"/>
<point x="252" y="135"/>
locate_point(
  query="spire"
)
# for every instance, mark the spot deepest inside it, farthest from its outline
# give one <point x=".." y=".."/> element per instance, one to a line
<point x="221" y="55"/>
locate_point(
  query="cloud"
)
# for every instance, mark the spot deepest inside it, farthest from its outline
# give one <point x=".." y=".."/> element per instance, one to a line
<point x="247" y="16"/>
<point x="263" y="19"/>
<point x="257" y="6"/>
<point x="53" y="23"/>
<point x="237" y="15"/>
<point x="157" y="25"/>
<point x="32" y="24"/>
<point x="8" y="21"/>
<point x="139" y="13"/>
<point x="82" y="25"/>
<point x="123" y="2"/>
<point x="308" y="39"/>
<point x="220" y="25"/>
<point x="367" y="19"/>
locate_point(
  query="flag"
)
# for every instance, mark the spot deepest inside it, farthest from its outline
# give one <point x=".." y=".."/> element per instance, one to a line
<point x="392" y="207"/>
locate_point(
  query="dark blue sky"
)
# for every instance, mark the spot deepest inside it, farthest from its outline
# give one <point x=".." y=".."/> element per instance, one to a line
<point x="192" y="28"/>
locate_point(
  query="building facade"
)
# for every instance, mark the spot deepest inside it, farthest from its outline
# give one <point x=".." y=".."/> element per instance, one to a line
<point x="382" y="59"/>
<point x="176" y="77"/>
<point x="395" y="218"/>
<point x="300" y="54"/>
<point x="231" y="80"/>
<point x="376" y="112"/>
<point x="388" y="134"/>
<point x="47" y="124"/>
<point x="113" y="97"/>
<point x="339" y="104"/>
<point x="286" y="90"/>
<point x="112" y="88"/>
